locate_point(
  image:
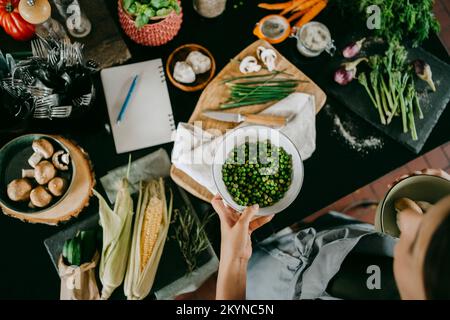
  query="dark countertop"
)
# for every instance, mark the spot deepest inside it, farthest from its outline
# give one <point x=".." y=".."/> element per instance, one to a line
<point x="333" y="171"/>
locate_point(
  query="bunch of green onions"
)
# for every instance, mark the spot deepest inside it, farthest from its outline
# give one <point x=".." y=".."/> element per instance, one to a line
<point x="259" y="89"/>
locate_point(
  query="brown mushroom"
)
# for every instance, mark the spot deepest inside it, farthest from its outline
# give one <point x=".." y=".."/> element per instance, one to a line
<point x="43" y="149"/>
<point x="57" y="186"/>
<point x="405" y="203"/>
<point x="40" y="197"/>
<point x="44" y="172"/>
<point x="61" y="160"/>
<point x="424" y="205"/>
<point x="19" y="190"/>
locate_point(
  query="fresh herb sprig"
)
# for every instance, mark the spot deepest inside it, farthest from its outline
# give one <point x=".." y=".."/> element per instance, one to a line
<point x="191" y="235"/>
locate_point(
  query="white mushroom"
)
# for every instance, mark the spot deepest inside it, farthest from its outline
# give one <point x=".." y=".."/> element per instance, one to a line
<point x="57" y="186"/>
<point x="61" y="160"/>
<point x="42" y="149"/>
<point x="183" y="72"/>
<point x="43" y="172"/>
<point x="199" y="62"/>
<point x="40" y="197"/>
<point x="267" y="56"/>
<point x="19" y="190"/>
<point x="249" y="64"/>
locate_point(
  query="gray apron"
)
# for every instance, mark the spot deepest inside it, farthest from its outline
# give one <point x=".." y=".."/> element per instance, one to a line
<point x="300" y="264"/>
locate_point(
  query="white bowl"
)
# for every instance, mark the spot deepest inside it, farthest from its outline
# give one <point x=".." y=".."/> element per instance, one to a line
<point x="253" y="133"/>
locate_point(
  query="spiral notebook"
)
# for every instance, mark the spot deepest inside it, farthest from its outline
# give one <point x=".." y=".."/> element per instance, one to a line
<point x="148" y="120"/>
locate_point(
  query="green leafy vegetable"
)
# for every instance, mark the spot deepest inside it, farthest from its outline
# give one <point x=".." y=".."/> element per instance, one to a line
<point x="144" y="11"/>
<point x="400" y="19"/>
<point x="391" y="88"/>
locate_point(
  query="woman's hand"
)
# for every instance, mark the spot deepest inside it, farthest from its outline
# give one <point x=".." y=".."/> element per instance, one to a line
<point x="236" y="247"/>
<point x="236" y="229"/>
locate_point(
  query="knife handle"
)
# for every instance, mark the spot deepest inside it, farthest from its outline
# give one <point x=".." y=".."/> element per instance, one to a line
<point x="264" y="119"/>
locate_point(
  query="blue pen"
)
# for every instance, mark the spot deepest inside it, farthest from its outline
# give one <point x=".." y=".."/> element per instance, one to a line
<point x="127" y="99"/>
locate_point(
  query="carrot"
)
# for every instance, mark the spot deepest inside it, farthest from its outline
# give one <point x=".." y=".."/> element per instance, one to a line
<point x="312" y="13"/>
<point x="275" y="6"/>
<point x="294" y="5"/>
<point x="297" y="15"/>
<point x="306" y="5"/>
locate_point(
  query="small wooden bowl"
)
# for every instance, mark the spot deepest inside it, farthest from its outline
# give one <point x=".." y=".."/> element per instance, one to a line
<point x="180" y="54"/>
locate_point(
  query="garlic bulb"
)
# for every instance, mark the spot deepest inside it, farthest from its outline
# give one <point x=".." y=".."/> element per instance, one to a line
<point x="183" y="72"/>
<point x="249" y="64"/>
<point x="199" y="62"/>
<point x="267" y="56"/>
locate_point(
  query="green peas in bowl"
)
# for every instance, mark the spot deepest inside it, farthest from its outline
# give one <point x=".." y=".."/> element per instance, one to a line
<point x="258" y="165"/>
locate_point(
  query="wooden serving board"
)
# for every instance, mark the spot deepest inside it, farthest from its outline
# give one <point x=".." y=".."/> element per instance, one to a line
<point x="78" y="195"/>
<point x="216" y="93"/>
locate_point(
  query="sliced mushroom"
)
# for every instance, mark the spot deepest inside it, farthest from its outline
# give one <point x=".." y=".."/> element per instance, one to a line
<point x="40" y="197"/>
<point x="61" y="160"/>
<point x="249" y="64"/>
<point x="405" y="203"/>
<point x="43" y="149"/>
<point x="57" y="186"/>
<point x="19" y="190"/>
<point x="267" y="56"/>
<point x="424" y="205"/>
<point x="44" y="172"/>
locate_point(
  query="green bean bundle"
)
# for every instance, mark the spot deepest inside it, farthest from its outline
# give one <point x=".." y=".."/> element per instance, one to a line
<point x="259" y="89"/>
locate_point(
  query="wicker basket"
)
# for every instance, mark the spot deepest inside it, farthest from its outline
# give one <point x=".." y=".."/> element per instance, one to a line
<point x="152" y="34"/>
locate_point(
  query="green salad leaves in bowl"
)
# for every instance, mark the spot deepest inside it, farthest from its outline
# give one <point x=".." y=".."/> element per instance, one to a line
<point x="144" y="11"/>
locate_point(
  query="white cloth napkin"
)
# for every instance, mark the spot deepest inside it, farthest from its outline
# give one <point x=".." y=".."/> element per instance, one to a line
<point x="194" y="148"/>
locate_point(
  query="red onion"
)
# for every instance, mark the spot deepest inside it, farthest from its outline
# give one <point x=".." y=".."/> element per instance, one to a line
<point x="344" y="77"/>
<point x="423" y="71"/>
<point x="347" y="71"/>
<point x="353" y="49"/>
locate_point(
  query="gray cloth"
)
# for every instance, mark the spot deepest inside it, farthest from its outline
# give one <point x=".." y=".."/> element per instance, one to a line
<point x="300" y="264"/>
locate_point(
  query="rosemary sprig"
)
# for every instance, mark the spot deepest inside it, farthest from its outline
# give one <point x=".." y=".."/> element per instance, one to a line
<point x="191" y="235"/>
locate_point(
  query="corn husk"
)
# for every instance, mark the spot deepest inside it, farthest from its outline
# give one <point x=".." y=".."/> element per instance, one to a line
<point x="116" y="226"/>
<point x="151" y="226"/>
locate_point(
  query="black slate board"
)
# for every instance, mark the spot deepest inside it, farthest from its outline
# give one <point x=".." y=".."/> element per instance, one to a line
<point x="172" y="265"/>
<point x="433" y="104"/>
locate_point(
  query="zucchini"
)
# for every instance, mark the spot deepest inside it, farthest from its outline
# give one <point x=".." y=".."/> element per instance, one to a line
<point x="75" y="259"/>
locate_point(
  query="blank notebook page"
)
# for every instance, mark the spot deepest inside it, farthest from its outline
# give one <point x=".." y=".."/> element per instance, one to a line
<point x="148" y="119"/>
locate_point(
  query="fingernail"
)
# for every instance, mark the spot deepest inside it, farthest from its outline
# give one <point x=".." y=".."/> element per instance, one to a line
<point x="255" y="206"/>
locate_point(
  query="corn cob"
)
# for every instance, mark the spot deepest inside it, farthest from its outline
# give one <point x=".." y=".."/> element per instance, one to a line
<point x="149" y="237"/>
<point x="151" y="224"/>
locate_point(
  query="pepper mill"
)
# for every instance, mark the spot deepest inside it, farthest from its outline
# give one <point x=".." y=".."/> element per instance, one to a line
<point x="38" y="12"/>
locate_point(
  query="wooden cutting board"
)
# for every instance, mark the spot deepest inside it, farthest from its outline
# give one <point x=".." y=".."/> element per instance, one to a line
<point x="216" y="93"/>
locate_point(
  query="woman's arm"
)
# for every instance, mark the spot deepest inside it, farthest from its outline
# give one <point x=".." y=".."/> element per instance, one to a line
<point x="236" y="248"/>
<point x="231" y="280"/>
